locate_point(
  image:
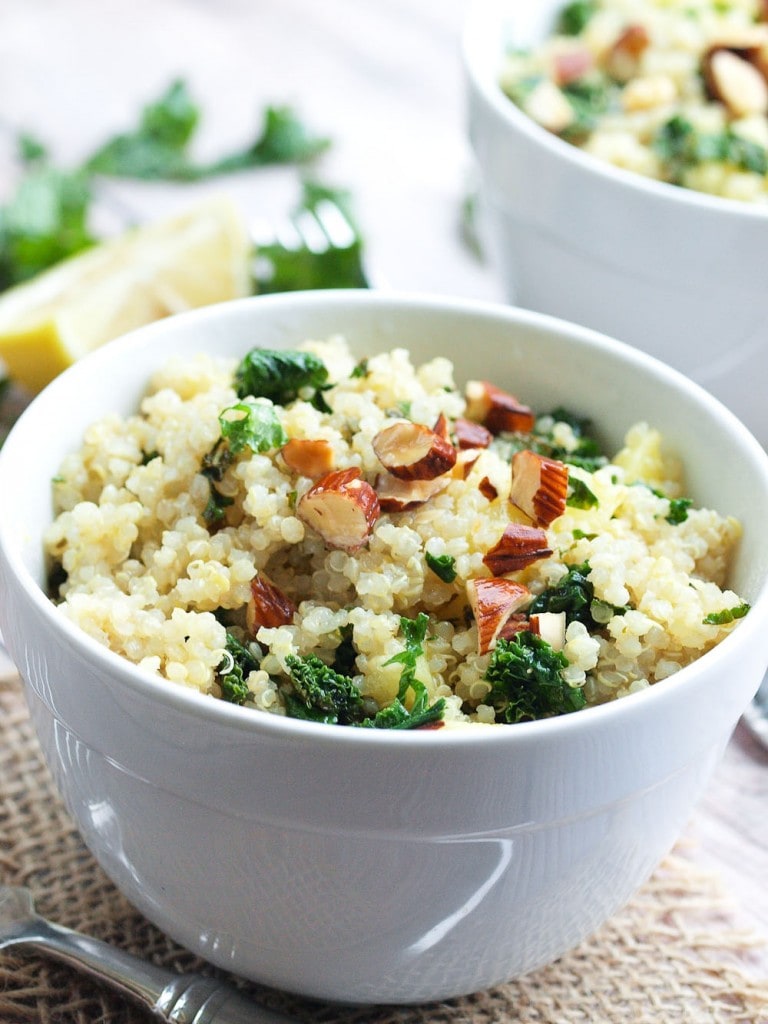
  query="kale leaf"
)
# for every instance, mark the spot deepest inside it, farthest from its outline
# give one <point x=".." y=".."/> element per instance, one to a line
<point x="575" y="595"/>
<point x="233" y="670"/>
<point x="680" y="146"/>
<point x="320" y="694"/>
<point x="579" y="495"/>
<point x="585" y="455"/>
<point x="575" y="17"/>
<point x="526" y="680"/>
<point x="279" y="375"/>
<point x="252" y="424"/>
<point x="727" y="615"/>
<point x="443" y="566"/>
<point x="396" y="715"/>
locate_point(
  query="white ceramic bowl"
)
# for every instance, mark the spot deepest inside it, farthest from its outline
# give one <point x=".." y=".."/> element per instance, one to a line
<point x="350" y="864"/>
<point x="674" y="272"/>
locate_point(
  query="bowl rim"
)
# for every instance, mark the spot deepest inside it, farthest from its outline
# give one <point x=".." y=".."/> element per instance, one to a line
<point x="482" y="46"/>
<point x="198" y="705"/>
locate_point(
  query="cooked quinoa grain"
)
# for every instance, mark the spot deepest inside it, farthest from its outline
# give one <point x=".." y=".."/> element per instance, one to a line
<point x="232" y="568"/>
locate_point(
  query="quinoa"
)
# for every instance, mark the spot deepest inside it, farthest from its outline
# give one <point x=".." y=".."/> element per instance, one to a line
<point x="675" y="90"/>
<point x="143" y="567"/>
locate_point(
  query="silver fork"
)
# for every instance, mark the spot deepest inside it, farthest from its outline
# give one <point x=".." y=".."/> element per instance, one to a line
<point x="170" y="997"/>
<point x="321" y="229"/>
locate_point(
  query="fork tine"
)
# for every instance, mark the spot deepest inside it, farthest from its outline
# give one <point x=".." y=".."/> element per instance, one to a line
<point x="310" y="231"/>
<point x="335" y="224"/>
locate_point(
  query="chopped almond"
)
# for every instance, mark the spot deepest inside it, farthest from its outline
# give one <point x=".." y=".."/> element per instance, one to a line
<point x="572" y="64"/>
<point x="471" y="435"/>
<point x="341" y="507"/>
<point x="497" y="410"/>
<point x="268" y="606"/>
<point x="518" y="546"/>
<point x="493" y="603"/>
<point x="441" y="428"/>
<point x="623" y="58"/>
<point x="312" y="458"/>
<point x="539" y="486"/>
<point x="465" y="460"/>
<point x="517" y="623"/>
<point x="397" y="495"/>
<point x="734" y="81"/>
<point x="550" y="626"/>
<point x="411" y="451"/>
<point x="487" y="489"/>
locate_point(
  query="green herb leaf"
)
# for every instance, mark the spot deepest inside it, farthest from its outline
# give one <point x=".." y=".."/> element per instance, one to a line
<point x="525" y="673"/>
<point x="575" y="17"/>
<point x="252" y="424"/>
<point x="443" y="566"/>
<point x="575" y="595"/>
<point x="579" y="495"/>
<point x="157" y="148"/>
<point x="279" y="375"/>
<point x="727" y="615"/>
<point x="233" y="669"/>
<point x="284" y="139"/>
<point x="45" y="222"/>
<point x="320" y="693"/>
<point x="678" y="510"/>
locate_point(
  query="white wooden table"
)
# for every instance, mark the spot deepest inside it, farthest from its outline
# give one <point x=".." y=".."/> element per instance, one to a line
<point x="381" y="77"/>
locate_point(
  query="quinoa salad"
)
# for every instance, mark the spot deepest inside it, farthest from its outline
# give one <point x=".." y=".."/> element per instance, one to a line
<point x="676" y="90"/>
<point x="365" y="543"/>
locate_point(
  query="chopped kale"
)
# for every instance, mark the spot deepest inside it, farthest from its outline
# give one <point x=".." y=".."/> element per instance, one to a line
<point x="680" y="146"/>
<point x="320" y="694"/>
<point x="397" y="715"/>
<point x="590" y="98"/>
<point x="585" y="455"/>
<point x="346" y="653"/>
<point x="233" y="669"/>
<point x="575" y="17"/>
<point x="579" y="495"/>
<point x="360" y="370"/>
<point x="252" y="424"/>
<point x="525" y="673"/>
<point x="575" y="595"/>
<point x="443" y="566"/>
<point x="727" y="615"/>
<point x="678" y="510"/>
<point x="279" y="375"/>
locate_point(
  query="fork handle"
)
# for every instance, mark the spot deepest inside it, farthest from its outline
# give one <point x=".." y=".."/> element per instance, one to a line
<point x="171" y="997"/>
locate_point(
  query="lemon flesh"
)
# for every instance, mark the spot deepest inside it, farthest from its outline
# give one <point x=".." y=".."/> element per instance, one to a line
<point x="191" y="259"/>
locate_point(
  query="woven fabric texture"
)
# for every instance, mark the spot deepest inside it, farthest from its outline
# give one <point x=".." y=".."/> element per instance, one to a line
<point x="675" y="953"/>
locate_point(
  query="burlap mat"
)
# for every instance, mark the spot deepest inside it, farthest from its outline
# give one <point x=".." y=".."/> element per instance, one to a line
<point x="674" y="954"/>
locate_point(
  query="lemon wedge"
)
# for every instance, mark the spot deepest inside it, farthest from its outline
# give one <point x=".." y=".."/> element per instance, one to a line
<point x="191" y="259"/>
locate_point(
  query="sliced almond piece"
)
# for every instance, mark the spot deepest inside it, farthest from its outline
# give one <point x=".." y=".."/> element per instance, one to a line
<point x="411" y="451"/>
<point x="497" y="410"/>
<point x="471" y="435"/>
<point x="312" y="458"/>
<point x="493" y="602"/>
<point x="550" y="626"/>
<point x="268" y="606"/>
<point x="571" y="64"/>
<point x="465" y="460"/>
<point x="539" y="486"/>
<point x="623" y="58"/>
<point x="518" y="546"/>
<point x="341" y="507"/>
<point x="517" y="623"/>
<point x="735" y="81"/>
<point x="442" y="429"/>
<point x="397" y="495"/>
<point x="488" y="489"/>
